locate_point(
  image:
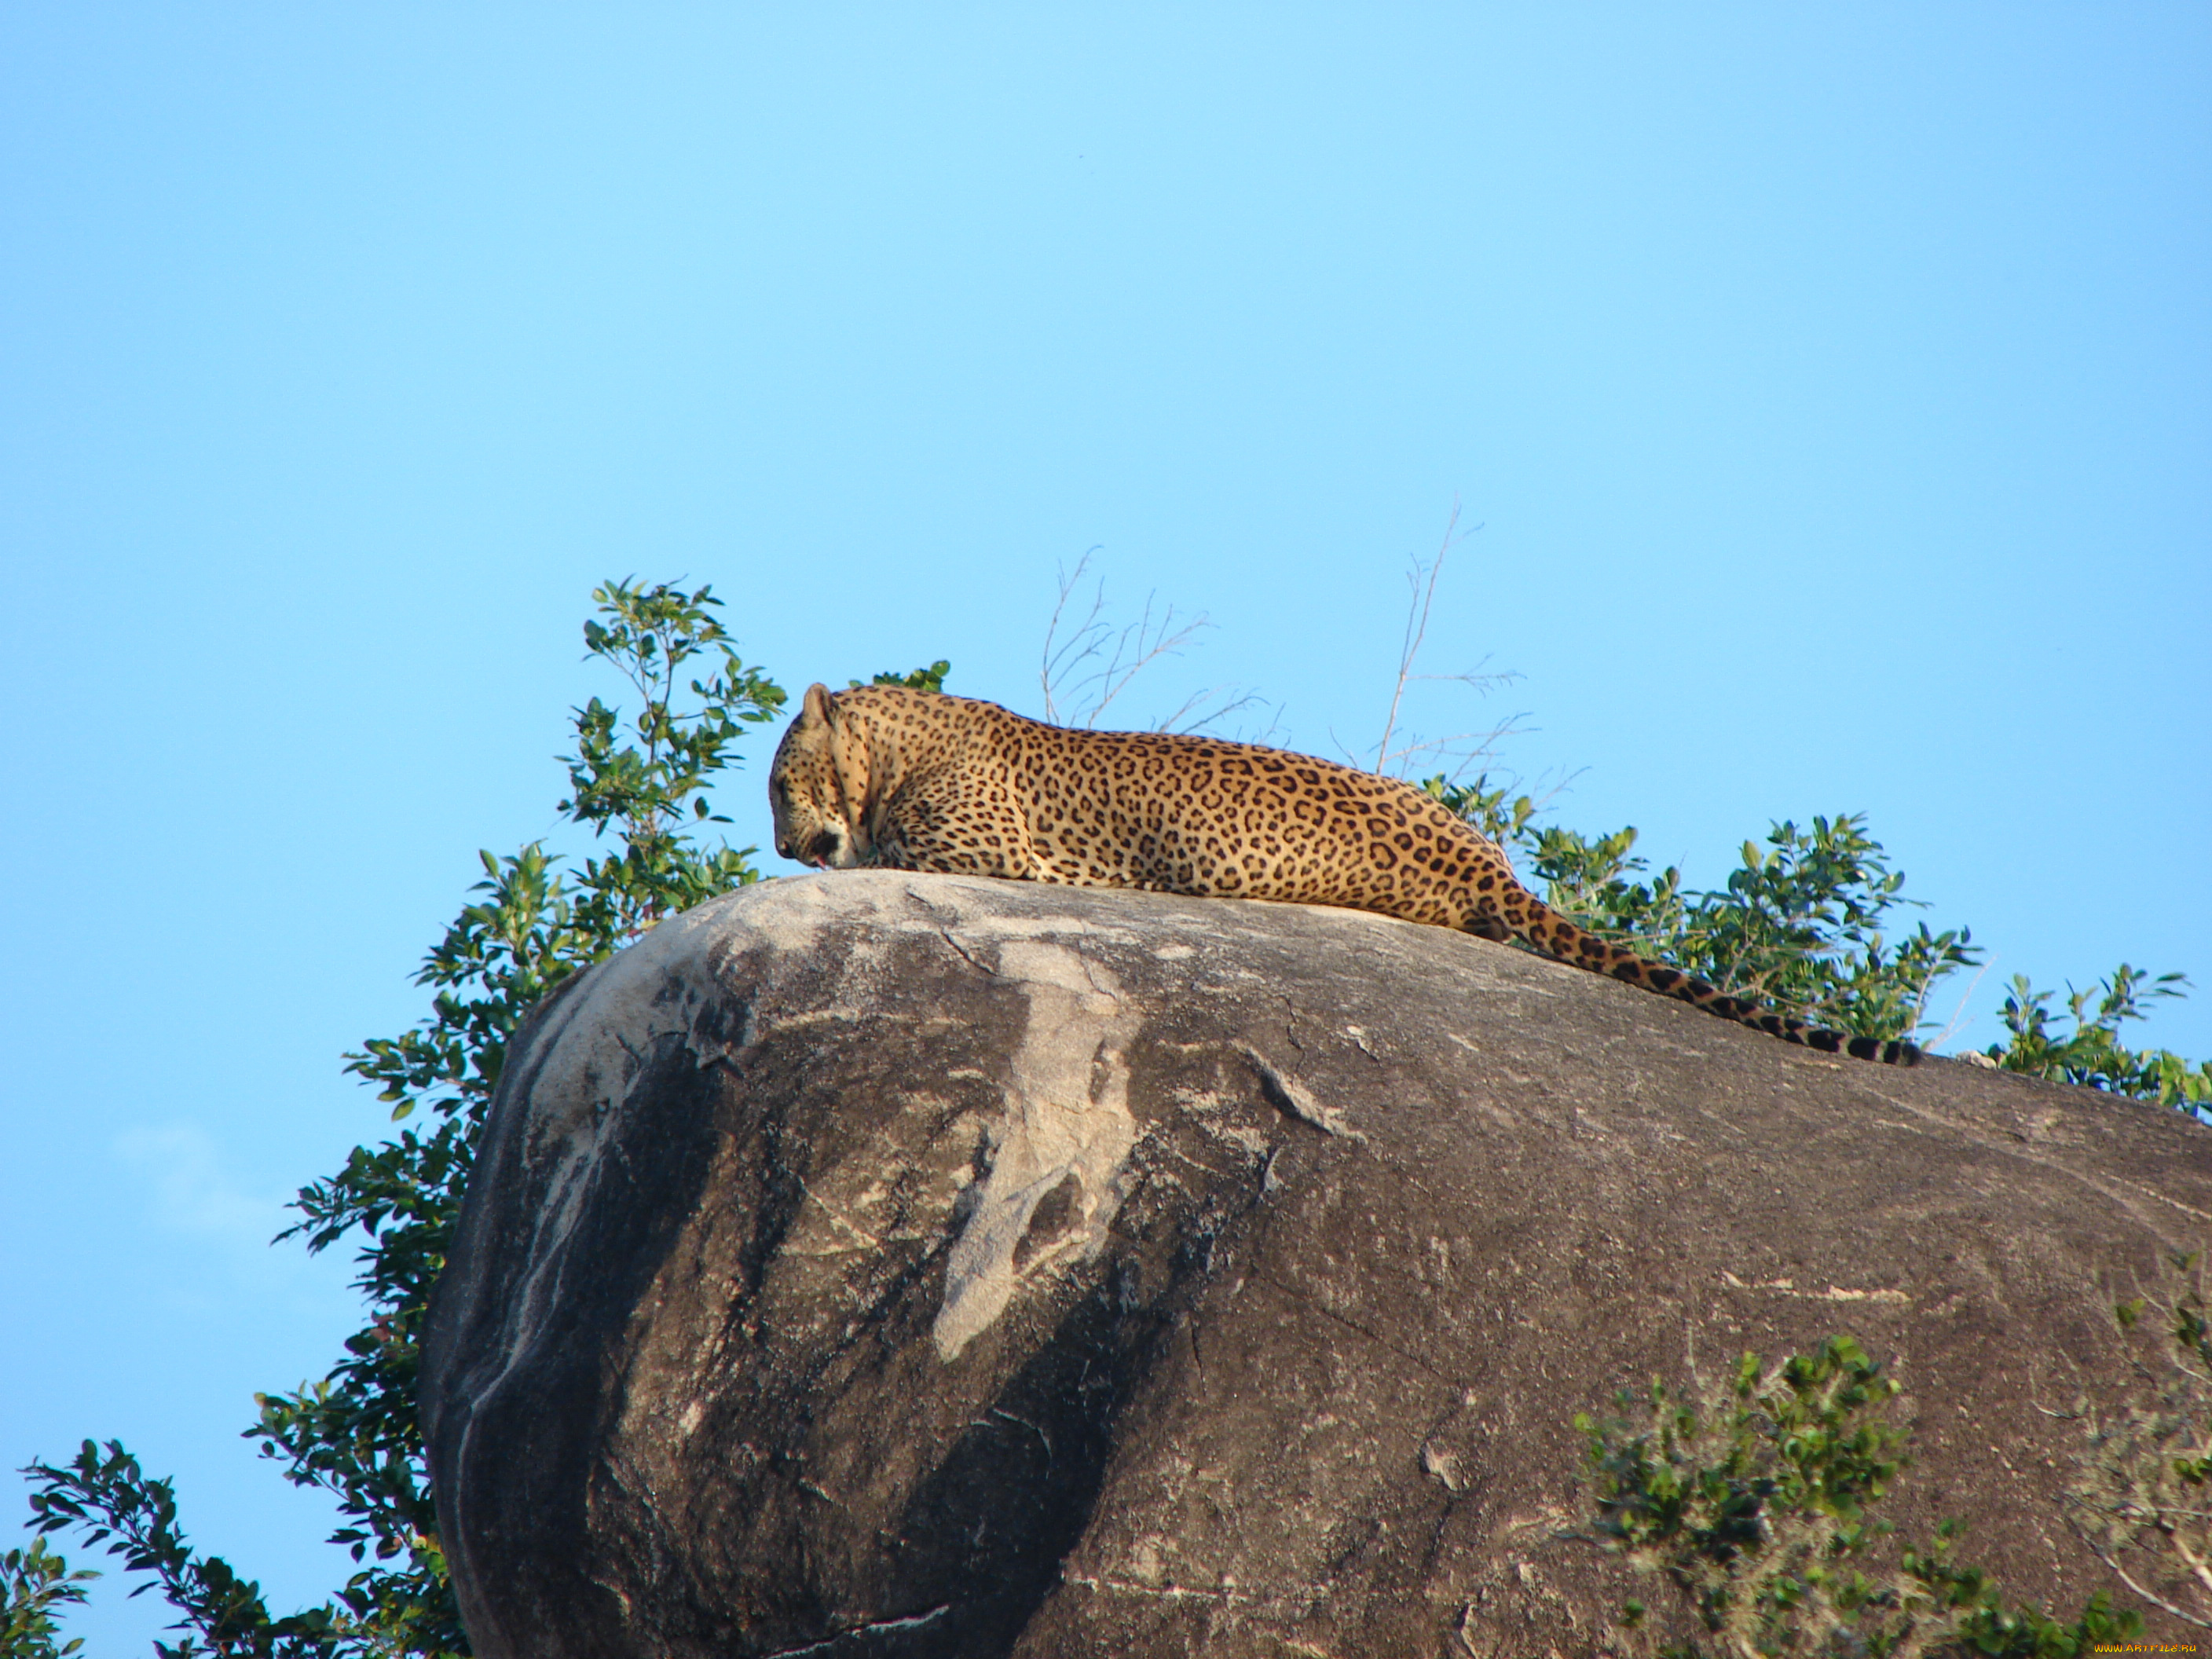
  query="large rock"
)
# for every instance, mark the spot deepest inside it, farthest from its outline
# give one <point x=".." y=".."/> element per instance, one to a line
<point x="888" y="1265"/>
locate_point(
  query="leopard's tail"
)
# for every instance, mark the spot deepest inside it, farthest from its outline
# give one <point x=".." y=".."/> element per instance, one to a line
<point x="1553" y="934"/>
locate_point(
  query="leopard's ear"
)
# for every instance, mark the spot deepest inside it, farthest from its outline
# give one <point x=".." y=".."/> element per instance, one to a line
<point x="816" y="710"/>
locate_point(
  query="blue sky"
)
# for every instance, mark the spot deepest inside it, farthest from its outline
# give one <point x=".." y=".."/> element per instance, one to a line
<point x="1829" y="387"/>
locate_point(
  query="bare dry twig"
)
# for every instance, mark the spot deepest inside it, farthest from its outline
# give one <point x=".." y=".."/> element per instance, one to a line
<point x="1098" y="660"/>
<point x="1467" y="747"/>
<point x="1958" y="1014"/>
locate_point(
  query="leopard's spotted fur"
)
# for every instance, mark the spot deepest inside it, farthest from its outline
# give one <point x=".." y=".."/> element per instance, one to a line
<point x="906" y="780"/>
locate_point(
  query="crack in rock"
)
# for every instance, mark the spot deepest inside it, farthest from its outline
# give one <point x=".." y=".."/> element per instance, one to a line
<point x="860" y="1632"/>
<point x="1285" y="1096"/>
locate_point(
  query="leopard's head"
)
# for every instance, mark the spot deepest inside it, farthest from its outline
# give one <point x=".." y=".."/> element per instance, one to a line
<point x="811" y="788"/>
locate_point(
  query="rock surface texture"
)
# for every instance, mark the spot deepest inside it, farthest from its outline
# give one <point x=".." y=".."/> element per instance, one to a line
<point x="872" y="1265"/>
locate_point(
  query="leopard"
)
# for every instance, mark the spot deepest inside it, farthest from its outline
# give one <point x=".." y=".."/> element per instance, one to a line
<point x="896" y="778"/>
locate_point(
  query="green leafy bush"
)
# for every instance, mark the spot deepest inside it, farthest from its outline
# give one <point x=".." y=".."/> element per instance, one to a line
<point x="2142" y="1498"/>
<point x="929" y="678"/>
<point x="1799" y="925"/>
<point x="33" y="1583"/>
<point x="642" y="790"/>
<point x="2091" y="1053"/>
<point x="108" y="1496"/>
<point x="1752" y="1502"/>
